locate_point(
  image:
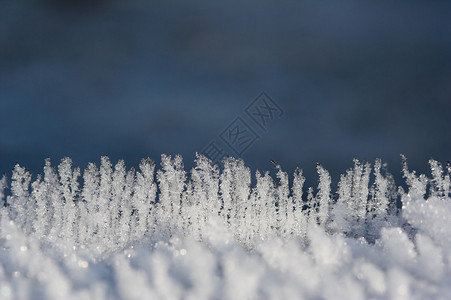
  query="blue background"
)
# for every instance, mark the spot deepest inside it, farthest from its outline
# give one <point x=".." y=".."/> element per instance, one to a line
<point x="134" y="79"/>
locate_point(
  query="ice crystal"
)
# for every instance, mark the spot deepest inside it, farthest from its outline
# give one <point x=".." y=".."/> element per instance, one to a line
<point x="209" y="233"/>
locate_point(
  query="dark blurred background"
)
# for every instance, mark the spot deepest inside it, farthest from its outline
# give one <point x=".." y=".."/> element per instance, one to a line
<point x="134" y="79"/>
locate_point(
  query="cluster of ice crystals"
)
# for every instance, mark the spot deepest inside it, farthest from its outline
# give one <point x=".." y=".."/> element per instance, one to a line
<point x="168" y="234"/>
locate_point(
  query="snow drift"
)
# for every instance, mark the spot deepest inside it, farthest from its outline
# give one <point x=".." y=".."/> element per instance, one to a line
<point x="211" y="234"/>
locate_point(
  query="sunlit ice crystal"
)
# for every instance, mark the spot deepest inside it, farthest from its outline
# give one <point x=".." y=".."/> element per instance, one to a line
<point x="164" y="232"/>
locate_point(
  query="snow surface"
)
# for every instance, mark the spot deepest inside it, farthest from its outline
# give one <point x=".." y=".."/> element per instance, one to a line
<point x="213" y="234"/>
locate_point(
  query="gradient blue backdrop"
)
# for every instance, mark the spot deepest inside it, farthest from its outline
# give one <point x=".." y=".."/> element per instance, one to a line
<point x="133" y="79"/>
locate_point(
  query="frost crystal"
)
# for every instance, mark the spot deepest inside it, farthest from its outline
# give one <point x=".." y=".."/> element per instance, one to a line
<point x="168" y="234"/>
<point x="2" y="188"/>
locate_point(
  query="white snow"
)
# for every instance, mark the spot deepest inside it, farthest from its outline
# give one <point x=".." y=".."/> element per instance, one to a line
<point x="163" y="233"/>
